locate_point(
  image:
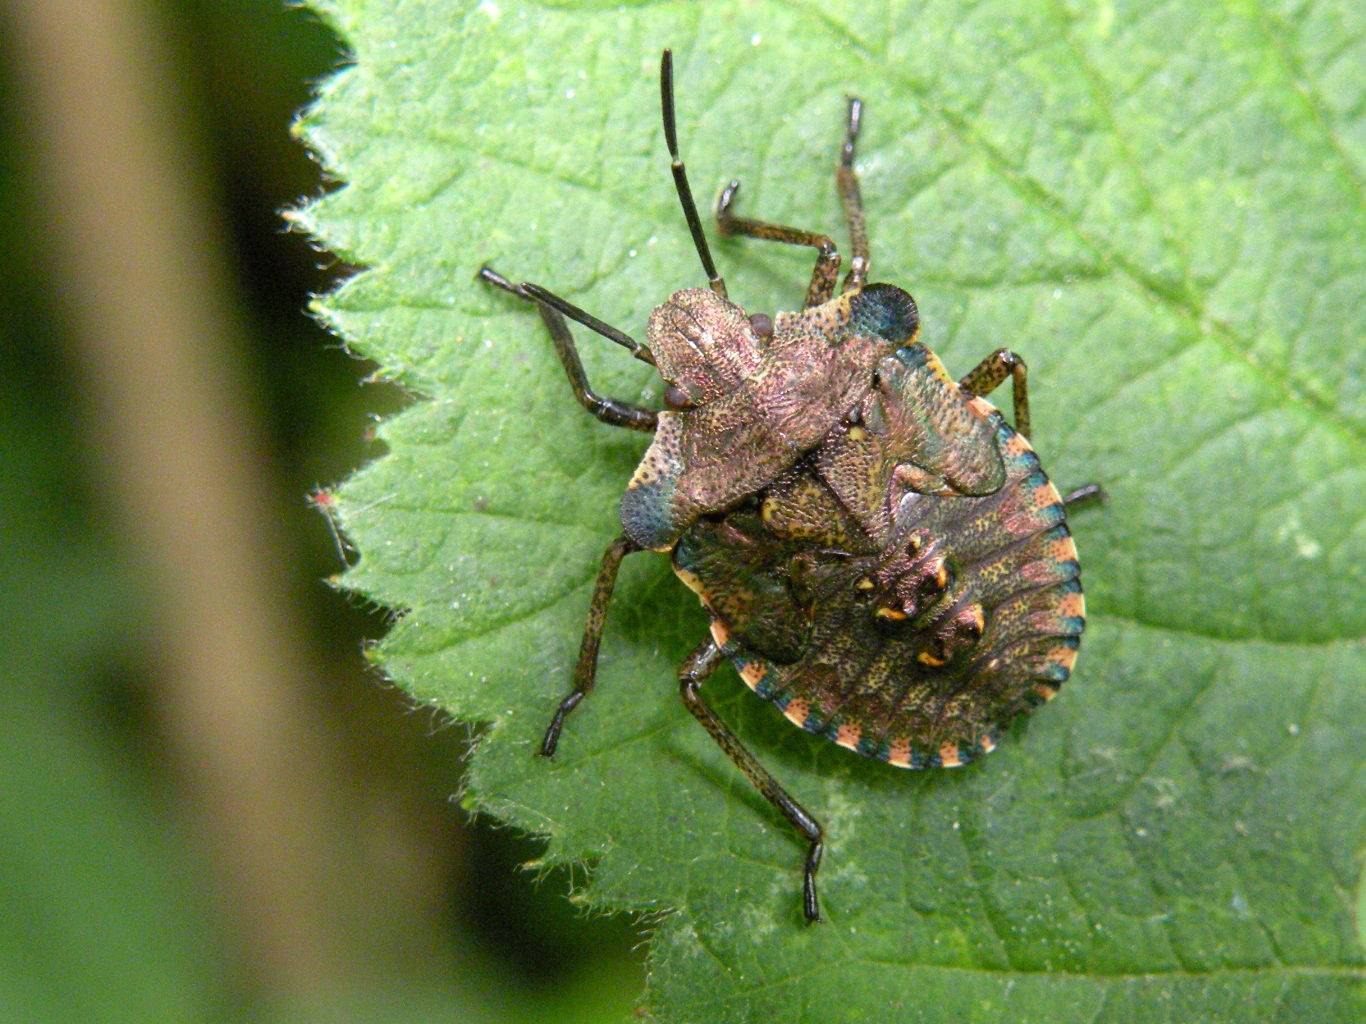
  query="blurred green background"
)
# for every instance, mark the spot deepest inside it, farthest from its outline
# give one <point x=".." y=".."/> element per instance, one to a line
<point x="139" y="878"/>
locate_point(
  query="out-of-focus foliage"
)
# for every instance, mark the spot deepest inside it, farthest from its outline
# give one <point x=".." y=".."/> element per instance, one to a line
<point x="108" y="897"/>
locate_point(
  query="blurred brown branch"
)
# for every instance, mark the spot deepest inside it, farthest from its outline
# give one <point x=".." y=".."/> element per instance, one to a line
<point x="133" y="241"/>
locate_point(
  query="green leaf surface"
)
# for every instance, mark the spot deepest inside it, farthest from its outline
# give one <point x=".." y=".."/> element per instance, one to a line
<point x="1159" y="206"/>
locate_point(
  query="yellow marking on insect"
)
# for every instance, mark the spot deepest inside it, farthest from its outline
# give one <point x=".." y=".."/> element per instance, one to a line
<point x="936" y="368"/>
<point x="848" y="736"/>
<point x="857" y="433"/>
<point x="981" y="406"/>
<point x="720" y="632"/>
<point x="1016" y="445"/>
<point x="932" y="660"/>
<point x="895" y="614"/>
<point x="753" y="672"/>
<point x="797" y="711"/>
<point x="941" y="575"/>
<point x="949" y="756"/>
<point x="987" y="744"/>
<point x="690" y="579"/>
<point x="768" y="510"/>
<point x="1045" y="691"/>
<point x="865" y="583"/>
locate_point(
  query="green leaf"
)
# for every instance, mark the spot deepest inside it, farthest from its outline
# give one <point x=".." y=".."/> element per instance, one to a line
<point x="1160" y="206"/>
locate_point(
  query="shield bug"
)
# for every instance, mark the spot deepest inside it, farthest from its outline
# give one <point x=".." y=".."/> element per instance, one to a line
<point x="879" y="551"/>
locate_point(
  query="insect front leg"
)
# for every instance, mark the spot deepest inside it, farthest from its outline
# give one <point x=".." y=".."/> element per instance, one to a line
<point x="586" y="671"/>
<point x="991" y="371"/>
<point x="701" y="663"/>
<point x="827" y="261"/>
<point x="553" y="310"/>
<point x="846" y="180"/>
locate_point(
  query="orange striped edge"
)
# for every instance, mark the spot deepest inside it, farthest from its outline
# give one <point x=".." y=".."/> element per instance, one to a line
<point x="720" y="632"/>
<point x="1046" y="496"/>
<point x="1046" y="690"/>
<point x="753" y="671"/>
<point x="1064" y="657"/>
<point x="796" y="711"/>
<point x="847" y="736"/>
<point x="1064" y="549"/>
<point x="1055" y="553"/>
<point x="1073" y="604"/>
<point x="1016" y="445"/>
<point x="899" y="753"/>
<point x="982" y="407"/>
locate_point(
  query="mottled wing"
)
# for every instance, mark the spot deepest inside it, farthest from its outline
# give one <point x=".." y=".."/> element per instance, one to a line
<point x="816" y="368"/>
<point x="919" y="433"/>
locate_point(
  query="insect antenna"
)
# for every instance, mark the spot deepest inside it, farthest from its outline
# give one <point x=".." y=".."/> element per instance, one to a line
<point x="699" y="240"/>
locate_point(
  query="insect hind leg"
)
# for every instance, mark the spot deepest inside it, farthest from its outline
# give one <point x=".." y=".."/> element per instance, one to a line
<point x="1086" y="494"/>
<point x="586" y="670"/>
<point x="701" y="663"/>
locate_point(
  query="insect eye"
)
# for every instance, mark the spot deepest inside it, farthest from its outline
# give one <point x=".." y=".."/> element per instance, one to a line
<point x="762" y="324"/>
<point x="676" y="398"/>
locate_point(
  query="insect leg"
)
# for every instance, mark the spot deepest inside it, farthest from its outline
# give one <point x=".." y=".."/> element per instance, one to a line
<point x="701" y="663"/>
<point x="847" y="181"/>
<point x="987" y="374"/>
<point x="586" y="671"/>
<point x="609" y="410"/>
<point x="1087" y="494"/>
<point x="827" y="262"/>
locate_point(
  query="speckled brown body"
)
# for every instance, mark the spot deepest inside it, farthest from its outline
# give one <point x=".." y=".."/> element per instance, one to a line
<point x="751" y="404"/>
<point x="880" y="552"/>
<point x="877" y="605"/>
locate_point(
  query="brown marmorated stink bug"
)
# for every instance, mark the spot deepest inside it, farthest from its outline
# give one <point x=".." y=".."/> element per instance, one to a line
<point x="879" y="551"/>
